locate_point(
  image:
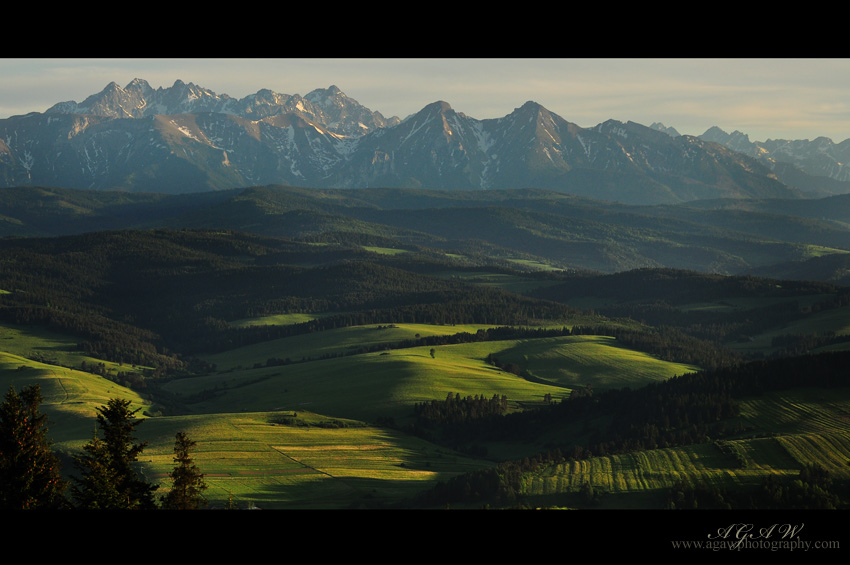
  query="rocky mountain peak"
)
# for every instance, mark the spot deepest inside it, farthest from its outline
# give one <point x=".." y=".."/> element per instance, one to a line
<point x="438" y="107"/>
<point x="326" y="139"/>
<point x="658" y="126"/>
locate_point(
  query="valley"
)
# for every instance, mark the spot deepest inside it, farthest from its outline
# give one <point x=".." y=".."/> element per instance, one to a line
<point x="329" y="349"/>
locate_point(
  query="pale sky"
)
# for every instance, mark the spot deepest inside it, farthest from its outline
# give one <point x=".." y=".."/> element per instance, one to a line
<point x="764" y="98"/>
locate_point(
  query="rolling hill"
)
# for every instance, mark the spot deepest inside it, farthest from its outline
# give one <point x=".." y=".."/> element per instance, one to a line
<point x="301" y="367"/>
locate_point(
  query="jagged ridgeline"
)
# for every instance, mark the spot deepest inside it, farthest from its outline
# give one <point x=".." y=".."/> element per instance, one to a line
<point x="186" y="138"/>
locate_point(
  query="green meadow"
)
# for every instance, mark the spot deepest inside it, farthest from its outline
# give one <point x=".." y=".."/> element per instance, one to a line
<point x="388" y="383"/>
<point x="385" y="250"/>
<point x="363" y="387"/>
<point x="274" y="459"/>
<point x="254" y="460"/>
<point x="70" y="396"/>
<point x="335" y="342"/>
<point x="302" y="435"/>
<point x="276" y="320"/>
<point x="596" y="361"/>
<point x="305" y="434"/>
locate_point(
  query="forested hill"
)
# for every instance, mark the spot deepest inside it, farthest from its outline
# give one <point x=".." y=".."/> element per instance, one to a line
<point x="142" y="296"/>
<point x="678" y="287"/>
<point x="563" y="231"/>
<point x="721" y="309"/>
<point x="154" y="297"/>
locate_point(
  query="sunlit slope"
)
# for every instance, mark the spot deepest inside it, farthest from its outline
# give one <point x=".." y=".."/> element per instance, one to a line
<point x="69" y="396"/>
<point x="786" y="431"/>
<point x="252" y="459"/>
<point x="389" y="383"/>
<point x="598" y="361"/>
<point x="363" y="387"/>
<point x="249" y="458"/>
<point x="335" y="342"/>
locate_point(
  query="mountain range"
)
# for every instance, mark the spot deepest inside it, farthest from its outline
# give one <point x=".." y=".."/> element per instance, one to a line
<point x="188" y="139"/>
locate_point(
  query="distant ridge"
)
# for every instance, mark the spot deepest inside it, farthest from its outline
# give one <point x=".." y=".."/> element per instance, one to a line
<point x="531" y="226"/>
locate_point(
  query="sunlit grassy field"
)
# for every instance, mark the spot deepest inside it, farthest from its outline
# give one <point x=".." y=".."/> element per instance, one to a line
<point x="388" y="384"/>
<point x="249" y="459"/>
<point x="340" y="341"/>
<point x="303" y="435"/>
<point x="363" y="387"/>
<point x="69" y="396"/>
<point x="599" y="361"/>
<point x="253" y="460"/>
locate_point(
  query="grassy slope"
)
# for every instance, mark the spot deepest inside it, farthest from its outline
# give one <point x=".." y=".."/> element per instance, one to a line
<point x="250" y="457"/>
<point x="332" y="342"/>
<point x="364" y="387"/>
<point x="256" y="461"/>
<point x="70" y="396"/>
<point x="577" y="361"/>
<point x="372" y="385"/>
<point x="246" y="456"/>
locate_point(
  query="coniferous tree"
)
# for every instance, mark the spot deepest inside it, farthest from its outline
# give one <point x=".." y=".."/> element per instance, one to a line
<point x="108" y="480"/>
<point x="97" y="487"/>
<point x="29" y="471"/>
<point x="187" y="481"/>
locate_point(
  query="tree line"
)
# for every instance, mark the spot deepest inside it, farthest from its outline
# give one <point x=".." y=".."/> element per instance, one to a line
<point x="811" y="489"/>
<point x="106" y="476"/>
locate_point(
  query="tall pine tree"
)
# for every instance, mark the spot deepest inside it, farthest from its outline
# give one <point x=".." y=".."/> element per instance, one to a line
<point x="108" y="479"/>
<point x="187" y="481"/>
<point x="29" y="471"/>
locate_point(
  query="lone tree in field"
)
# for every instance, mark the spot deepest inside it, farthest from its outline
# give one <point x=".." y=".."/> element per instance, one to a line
<point x="107" y="479"/>
<point x="187" y="480"/>
<point x="29" y="471"/>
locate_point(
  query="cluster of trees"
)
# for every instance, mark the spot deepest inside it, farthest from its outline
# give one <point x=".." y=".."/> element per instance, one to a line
<point x="106" y="476"/>
<point x="693" y="408"/>
<point x="811" y="489"/>
<point x="509" y="367"/>
<point x="457" y="420"/>
<point x="456" y="409"/>
<point x="29" y="471"/>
